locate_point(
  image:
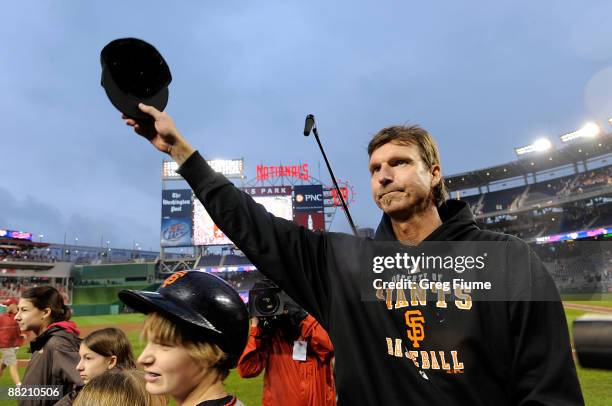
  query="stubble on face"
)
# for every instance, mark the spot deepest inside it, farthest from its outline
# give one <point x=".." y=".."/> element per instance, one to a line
<point x="417" y="203"/>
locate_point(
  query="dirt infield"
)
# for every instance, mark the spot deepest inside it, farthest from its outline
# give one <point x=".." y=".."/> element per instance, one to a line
<point x="588" y="308"/>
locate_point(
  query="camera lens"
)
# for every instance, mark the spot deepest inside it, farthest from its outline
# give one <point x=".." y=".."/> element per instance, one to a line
<point x="267" y="304"/>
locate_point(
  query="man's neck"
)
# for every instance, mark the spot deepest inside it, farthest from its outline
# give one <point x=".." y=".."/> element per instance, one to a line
<point x="419" y="226"/>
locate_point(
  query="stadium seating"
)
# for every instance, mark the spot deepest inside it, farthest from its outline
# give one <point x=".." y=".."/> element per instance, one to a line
<point x="501" y="199"/>
<point x="522" y="197"/>
<point x="222" y="260"/>
<point x="548" y="189"/>
<point x="593" y="179"/>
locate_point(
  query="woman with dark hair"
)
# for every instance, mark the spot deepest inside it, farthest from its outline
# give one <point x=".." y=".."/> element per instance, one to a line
<point x="101" y="351"/>
<point x="55" y="348"/>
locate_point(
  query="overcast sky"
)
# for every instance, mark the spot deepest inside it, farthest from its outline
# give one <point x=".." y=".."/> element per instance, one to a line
<point x="481" y="76"/>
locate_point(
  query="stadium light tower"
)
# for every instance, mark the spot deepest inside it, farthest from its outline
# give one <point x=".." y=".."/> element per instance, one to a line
<point x="542" y="144"/>
<point x="539" y="145"/>
<point x="589" y="130"/>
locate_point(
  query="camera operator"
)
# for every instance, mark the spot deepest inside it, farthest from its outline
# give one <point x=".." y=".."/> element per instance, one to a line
<point x="296" y="353"/>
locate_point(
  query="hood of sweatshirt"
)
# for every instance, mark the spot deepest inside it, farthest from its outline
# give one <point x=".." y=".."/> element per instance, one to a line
<point x="65" y="329"/>
<point x="457" y="220"/>
<point x="68" y="325"/>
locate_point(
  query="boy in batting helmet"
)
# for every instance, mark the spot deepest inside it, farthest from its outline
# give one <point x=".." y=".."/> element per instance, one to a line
<point x="196" y="329"/>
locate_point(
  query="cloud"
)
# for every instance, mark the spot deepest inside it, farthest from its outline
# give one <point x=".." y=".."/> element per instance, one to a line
<point x="30" y="214"/>
<point x="483" y="78"/>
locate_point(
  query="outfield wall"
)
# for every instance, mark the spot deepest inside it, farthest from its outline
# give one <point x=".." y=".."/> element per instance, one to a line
<point x="95" y="309"/>
<point x="87" y="295"/>
<point x="102" y="274"/>
<point x="96" y="286"/>
<point x="98" y="300"/>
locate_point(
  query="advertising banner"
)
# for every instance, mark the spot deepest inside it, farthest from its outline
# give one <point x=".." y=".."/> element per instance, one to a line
<point x="308" y="198"/>
<point x="276" y="199"/>
<point x="18" y="235"/>
<point x="176" y="218"/>
<point x="311" y="220"/>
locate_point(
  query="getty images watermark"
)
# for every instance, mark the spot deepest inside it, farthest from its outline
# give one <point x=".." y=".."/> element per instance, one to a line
<point x="457" y="273"/>
<point x="420" y="263"/>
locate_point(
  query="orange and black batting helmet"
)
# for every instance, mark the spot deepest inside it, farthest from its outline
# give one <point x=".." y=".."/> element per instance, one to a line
<point x="199" y="300"/>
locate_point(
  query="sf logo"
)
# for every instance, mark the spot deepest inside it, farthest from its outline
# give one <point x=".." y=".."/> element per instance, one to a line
<point x="416" y="332"/>
<point x="173" y="278"/>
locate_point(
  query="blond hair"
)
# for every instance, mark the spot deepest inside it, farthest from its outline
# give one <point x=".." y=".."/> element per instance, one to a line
<point x="419" y="137"/>
<point x="160" y="330"/>
<point x="118" y="388"/>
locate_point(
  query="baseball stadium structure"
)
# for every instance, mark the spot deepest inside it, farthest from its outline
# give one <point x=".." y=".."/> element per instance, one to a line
<point x="287" y="191"/>
<point x="23" y="265"/>
<point x="559" y="199"/>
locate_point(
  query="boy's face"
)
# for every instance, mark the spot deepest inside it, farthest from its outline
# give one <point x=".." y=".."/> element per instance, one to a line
<point x="169" y="370"/>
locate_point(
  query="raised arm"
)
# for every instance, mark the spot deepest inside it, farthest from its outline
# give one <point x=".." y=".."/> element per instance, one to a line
<point x="290" y="255"/>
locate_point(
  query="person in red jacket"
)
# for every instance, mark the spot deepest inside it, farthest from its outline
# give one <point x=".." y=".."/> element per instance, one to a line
<point x="296" y="353"/>
<point x="10" y="340"/>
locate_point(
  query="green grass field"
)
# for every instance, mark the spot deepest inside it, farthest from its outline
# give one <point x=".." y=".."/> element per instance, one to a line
<point x="596" y="385"/>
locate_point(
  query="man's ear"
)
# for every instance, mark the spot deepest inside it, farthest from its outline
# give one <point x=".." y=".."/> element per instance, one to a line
<point x="436" y="175"/>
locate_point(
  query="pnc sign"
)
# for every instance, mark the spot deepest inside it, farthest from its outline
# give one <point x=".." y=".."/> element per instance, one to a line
<point x="308" y="198"/>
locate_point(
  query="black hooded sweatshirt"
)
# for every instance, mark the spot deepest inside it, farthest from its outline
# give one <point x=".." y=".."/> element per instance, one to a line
<point x="392" y="349"/>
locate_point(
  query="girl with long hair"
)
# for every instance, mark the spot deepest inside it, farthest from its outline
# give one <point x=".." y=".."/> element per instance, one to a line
<point x="101" y="351"/>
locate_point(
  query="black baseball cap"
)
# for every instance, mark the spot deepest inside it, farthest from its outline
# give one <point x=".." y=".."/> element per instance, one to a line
<point x="201" y="301"/>
<point x="133" y="72"/>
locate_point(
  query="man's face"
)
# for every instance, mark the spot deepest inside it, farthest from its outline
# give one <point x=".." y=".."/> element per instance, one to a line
<point x="401" y="182"/>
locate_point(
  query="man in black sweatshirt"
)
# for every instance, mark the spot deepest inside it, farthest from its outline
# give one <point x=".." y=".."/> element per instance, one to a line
<point x="479" y="324"/>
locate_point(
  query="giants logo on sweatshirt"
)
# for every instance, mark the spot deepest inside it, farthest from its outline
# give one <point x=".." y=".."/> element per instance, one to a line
<point x="416" y="331"/>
